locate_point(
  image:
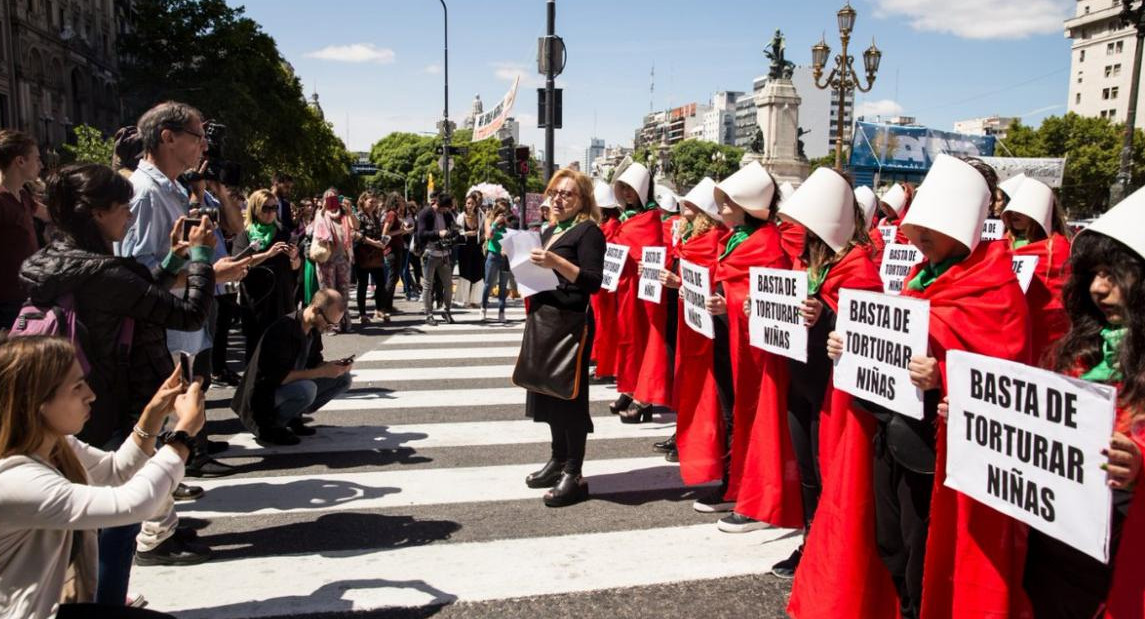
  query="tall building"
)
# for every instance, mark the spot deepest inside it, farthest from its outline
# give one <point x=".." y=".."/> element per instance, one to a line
<point x="719" y="121"/>
<point x="603" y="166"/>
<point x="1101" y="61"/>
<point x="595" y="149"/>
<point x="745" y="114"/>
<point x="990" y="125"/>
<point x="674" y="125"/>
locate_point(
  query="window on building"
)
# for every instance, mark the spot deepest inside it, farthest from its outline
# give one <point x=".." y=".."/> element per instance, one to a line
<point x="1108" y="70"/>
<point x="1112" y="114"/>
<point x="1102" y="114"/>
<point x="1119" y="46"/>
<point x="1077" y="99"/>
<point x="1116" y="70"/>
<point x="1087" y="9"/>
<point x="1113" y="92"/>
<point x="1104" y="94"/>
<point x="1081" y="56"/>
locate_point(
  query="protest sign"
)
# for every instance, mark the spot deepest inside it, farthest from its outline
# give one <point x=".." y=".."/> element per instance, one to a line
<point x="1027" y="442"/>
<point x="1024" y="268"/>
<point x="992" y="230"/>
<point x="898" y="260"/>
<point x="881" y="333"/>
<point x="775" y="323"/>
<point x="888" y="233"/>
<point x="696" y="287"/>
<point x="650" y="286"/>
<point x="614" y="257"/>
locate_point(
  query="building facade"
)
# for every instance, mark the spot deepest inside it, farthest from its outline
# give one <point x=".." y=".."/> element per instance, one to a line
<point x="989" y="125"/>
<point x="1101" y="61"/>
<point x="719" y="121"/>
<point x="595" y="149"/>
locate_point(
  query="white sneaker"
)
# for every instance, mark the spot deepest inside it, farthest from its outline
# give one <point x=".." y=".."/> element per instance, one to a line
<point x="738" y="523"/>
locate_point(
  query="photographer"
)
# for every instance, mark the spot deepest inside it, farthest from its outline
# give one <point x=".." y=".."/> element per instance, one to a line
<point x="268" y="289"/>
<point x="436" y="232"/>
<point x="287" y="377"/>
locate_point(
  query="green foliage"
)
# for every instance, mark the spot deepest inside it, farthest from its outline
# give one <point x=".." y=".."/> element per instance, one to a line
<point x="692" y="160"/>
<point x="91" y="146"/>
<point x="210" y="55"/>
<point x="826" y="161"/>
<point x="1092" y="148"/>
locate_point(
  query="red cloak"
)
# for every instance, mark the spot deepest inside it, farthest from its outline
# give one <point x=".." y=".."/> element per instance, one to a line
<point x="841" y="575"/>
<point x="792" y="237"/>
<point x="604" y="310"/>
<point x="756" y="374"/>
<point x="700" y="428"/>
<point x="1048" y="317"/>
<point x="1127" y="594"/>
<point x="655" y="383"/>
<point x="974" y="555"/>
<point x="637" y="232"/>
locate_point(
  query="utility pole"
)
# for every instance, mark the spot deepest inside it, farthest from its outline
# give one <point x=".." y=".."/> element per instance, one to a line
<point x="446" y="131"/>
<point x="550" y="84"/>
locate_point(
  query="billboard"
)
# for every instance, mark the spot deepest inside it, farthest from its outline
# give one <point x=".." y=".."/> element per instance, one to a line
<point x="895" y="149"/>
<point x="1048" y="170"/>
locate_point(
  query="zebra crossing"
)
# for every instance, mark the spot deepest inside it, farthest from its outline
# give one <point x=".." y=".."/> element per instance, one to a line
<point x="412" y="495"/>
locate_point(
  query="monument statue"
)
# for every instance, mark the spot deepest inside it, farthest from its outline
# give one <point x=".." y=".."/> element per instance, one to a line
<point x="802" y="154"/>
<point x="757" y="144"/>
<point x="781" y="67"/>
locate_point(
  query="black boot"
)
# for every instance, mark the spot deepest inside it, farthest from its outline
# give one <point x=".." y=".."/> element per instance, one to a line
<point x="621" y="404"/>
<point x="666" y="445"/>
<point x="640" y="414"/>
<point x="547" y="476"/>
<point x="570" y="490"/>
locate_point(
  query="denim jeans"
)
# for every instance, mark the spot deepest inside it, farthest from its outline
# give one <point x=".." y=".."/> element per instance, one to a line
<point x="302" y="396"/>
<point x="495" y="275"/>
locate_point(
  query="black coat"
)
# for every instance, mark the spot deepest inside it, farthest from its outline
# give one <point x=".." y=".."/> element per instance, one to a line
<point x="273" y="359"/>
<point x="426" y="223"/>
<point x="107" y="289"/>
<point x="267" y="289"/>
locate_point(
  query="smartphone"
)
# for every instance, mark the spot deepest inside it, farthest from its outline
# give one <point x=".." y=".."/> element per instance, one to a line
<point x="185" y="362"/>
<point x="347" y="361"/>
<point x="187" y="225"/>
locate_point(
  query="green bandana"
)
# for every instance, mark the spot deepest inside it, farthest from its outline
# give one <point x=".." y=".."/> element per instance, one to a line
<point x="815" y="280"/>
<point x="1107" y="371"/>
<point x="739" y="235"/>
<point x="930" y="272"/>
<point x="1019" y="243"/>
<point x="629" y="214"/>
<point x="262" y="233"/>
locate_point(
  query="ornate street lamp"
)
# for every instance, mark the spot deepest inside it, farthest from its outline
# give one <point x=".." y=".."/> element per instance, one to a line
<point x="1130" y="18"/>
<point x="843" y="77"/>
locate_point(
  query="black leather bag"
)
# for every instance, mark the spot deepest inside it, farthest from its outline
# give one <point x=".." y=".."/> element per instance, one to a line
<point x="552" y="358"/>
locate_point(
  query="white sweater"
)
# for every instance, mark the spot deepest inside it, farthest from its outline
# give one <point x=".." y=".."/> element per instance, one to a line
<point x="39" y="509"/>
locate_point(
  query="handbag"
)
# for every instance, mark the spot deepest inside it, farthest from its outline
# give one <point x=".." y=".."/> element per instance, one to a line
<point x="320" y="253"/>
<point x="552" y="360"/>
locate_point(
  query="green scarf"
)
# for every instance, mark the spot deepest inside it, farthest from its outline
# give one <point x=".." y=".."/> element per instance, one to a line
<point x="1019" y="243"/>
<point x="686" y="232"/>
<point x="930" y="272"/>
<point x="565" y="225"/>
<point x="262" y="233"/>
<point x="739" y="235"/>
<point x="628" y="214"/>
<point x="1107" y="371"/>
<point x="815" y="280"/>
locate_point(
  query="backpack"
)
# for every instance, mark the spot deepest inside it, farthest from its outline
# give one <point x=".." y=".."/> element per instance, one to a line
<point x="60" y="319"/>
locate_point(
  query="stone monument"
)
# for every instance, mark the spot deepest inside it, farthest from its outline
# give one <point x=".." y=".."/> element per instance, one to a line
<point x="777" y="114"/>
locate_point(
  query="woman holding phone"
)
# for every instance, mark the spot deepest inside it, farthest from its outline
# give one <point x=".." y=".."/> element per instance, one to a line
<point x="268" y="288"/>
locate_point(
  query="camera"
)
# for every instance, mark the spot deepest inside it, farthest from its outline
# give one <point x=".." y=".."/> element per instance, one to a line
<point x="218" y="167"/>
<point x="453" y="239"/>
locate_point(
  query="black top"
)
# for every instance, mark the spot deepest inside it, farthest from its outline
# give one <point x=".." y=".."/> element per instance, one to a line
<point x="268" y="289"/>
<point x="275" y="357"/>
<point x="582" y="245"/>
<point x="427" y="236"/>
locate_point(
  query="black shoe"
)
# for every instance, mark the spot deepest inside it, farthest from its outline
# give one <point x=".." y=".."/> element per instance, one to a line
<point x="714" y="502"/>
<point x="217" y="447"/>
<point x="174" y="551"/>
<point x="666" y="445"/>
<point x="277" y="436"/>
<point x="739" y="523"/>
<point x="209" y="467"/>
<point x="301" y="429"/>
<point x="226" y="377"/>
<point x="672" y="456"/>
<point x="431" y="321"/>
<point x="449" y="318"/>
<point x="183" y="492"/>
<point x="641" y="414"/>
<point x="621" y="404"/>
<point x="785" y="569"/>
<point x="546" y="477"/>
<point x="570" y="490"/>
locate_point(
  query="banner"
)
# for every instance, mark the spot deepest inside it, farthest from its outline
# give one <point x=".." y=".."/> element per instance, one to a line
<point x="1048" y="170"/>
<point x="775" y="322"/>
<point x="1024" y="268"/>
<point x="1028" y="443"/>
<point x="895" y="149"/>
<point x="992" y="230"/>
<point x="488" y="123"/>
<point x="898" y="260"/>
<point x="650" y="286"/>
<point x="696" y="287"/>
<point x="614" y="257"/>
<point x="881" y="333"/>
<point x="533" y="209"/>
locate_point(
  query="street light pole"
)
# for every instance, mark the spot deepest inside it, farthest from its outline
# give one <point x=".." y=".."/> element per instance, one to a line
<point x="1129" y="17"/>
<point x="843" y="77"/>
<point x="447" y="134"/>
<point x="550" y="86"/>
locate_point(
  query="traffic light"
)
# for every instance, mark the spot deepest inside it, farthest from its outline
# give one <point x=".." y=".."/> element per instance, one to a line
<point x="522" y="157"/>
<point x="506" y="156"/>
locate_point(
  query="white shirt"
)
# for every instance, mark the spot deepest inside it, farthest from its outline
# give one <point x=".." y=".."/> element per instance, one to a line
<point x="40" y="508"/>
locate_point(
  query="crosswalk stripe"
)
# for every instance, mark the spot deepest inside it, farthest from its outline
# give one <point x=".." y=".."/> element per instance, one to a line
<point x="487" y="327"/>
<point x="465" y="572"/>
<point x="430" y="435"/>
<point x="381" y="375"/>
<point x="502" y="396"/>
<point x="404" y="488"/>
<point x="435" y="354"/>
<point x="452" y="338"/>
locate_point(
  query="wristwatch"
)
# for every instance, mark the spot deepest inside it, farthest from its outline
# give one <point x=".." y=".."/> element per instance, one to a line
<point x="179" y="436"/>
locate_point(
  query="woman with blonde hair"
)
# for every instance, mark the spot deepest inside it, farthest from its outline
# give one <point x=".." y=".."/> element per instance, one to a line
<point x="267" y="291"/>
<point x="56" y="491"/>
<point x="573" y="247"/>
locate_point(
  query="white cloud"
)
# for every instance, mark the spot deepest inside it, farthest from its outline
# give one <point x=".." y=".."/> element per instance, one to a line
<point x="356" y="52"/>
<point x="981" y="19"/>
<point x="509" y="71"/>
<point x="433" y="69"/>
<point x="882" y="107"/>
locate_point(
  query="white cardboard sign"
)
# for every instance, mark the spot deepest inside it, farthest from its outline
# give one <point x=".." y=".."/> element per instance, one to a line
<point x="775" y="323"/>
<point x="1027" y="442"/>
<point x="614" y="257"/>
<point x="898" y="260"/>
<point x="650" y="286"/>
<point x="881" y="333"/>
<point x="888" y="233"/>
<point x="992" y="229"/>
<point x="1024" y="269"/>
<point x="695" y="288"/>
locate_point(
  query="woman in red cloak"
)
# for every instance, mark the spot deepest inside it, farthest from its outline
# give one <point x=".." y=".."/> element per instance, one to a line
<point x="894" y="205"/>
<point x="604" y="301"/>
<point x="1035" y="226"/>
<point x="1104" y="298"/>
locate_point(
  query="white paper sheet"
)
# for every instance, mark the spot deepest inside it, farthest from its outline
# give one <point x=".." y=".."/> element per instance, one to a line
<point x="531" y="278"/>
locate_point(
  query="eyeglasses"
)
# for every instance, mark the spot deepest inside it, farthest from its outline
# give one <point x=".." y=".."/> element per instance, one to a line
<point x="562" y="194"/>
<point x="270" y="209"/>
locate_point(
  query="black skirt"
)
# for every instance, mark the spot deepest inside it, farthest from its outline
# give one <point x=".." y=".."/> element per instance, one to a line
<point x="572" y="414"/>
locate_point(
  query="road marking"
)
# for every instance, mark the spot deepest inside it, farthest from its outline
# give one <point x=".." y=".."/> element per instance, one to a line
<point x="437" y="354"/>
<point x="452" y="338"/>
<point x="393" y="375"/>
<point x="502" y="396"/>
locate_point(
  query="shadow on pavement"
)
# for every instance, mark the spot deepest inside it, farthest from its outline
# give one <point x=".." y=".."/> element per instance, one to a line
<point x="329" y="599"/>
<point x="302" y="494"/>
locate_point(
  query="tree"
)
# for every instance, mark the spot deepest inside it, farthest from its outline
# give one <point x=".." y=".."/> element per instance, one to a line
<point x="210" y="55"/>
<point x="692" y="160"/>
<point x="90" y="146"/>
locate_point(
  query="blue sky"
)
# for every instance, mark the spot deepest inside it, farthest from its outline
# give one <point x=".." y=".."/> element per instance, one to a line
<point x="378" y="63"/>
